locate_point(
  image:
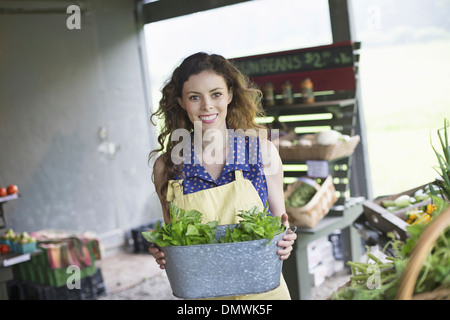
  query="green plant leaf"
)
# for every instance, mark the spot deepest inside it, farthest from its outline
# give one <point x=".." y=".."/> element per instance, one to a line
<point x="184" y="228"/>
<point x="255" y="225"/>
<point x="192" y="231"/>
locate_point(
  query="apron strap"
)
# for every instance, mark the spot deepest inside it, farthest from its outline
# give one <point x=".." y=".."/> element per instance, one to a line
<point x="238" y="175"/>
<point x="174" y="189"/>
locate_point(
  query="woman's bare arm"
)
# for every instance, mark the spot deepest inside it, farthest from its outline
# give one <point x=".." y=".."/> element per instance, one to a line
<point x="159" y="177"/>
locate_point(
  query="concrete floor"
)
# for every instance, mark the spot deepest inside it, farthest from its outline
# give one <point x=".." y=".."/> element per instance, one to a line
<point x="131" y="276"/>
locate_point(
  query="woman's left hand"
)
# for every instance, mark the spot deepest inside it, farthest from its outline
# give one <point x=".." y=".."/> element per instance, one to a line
<point x="288" y="240"/>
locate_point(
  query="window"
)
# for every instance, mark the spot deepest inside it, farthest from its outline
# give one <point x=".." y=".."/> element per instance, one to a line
<point x="405" y="76"/>
<point x="248" y="28"/>
<point x="404" y="67"/>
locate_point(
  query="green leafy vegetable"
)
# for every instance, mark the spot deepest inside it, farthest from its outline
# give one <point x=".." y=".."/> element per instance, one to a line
<point x="372" y="280"/>
<point x="184" y="228"/>
<point x="444" y="161"/>
<point x="302" y="194"/>
<point x="435" y="271"/>
<point x="254" y="225"/>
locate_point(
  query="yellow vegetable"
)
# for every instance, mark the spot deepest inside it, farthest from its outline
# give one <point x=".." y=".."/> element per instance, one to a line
<point x="431" y="208"/>
<point x="425" y="219"/>
<point x="414" y="214"/>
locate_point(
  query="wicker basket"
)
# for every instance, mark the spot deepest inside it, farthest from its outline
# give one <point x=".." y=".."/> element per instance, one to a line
<point x="319" y="152"/>
<point x="418" y="256"/>
<point x="309" y="215"/>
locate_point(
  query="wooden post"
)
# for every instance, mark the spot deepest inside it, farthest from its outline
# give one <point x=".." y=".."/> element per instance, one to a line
<point x="341" y="17"/>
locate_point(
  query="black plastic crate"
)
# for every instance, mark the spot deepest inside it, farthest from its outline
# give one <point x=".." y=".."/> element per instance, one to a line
<point x="91" y="288"/>
<point x="336" y="240"/>
<point x="139" y="242"/>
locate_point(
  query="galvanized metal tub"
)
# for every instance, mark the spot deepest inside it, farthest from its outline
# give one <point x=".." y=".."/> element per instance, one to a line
<point x="223" y="269"/>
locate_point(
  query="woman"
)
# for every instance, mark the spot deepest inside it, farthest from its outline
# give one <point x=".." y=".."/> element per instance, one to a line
<point x="225" y="165"/>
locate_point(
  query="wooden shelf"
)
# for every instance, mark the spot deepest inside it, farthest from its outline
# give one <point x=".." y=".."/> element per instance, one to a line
<point x="2" y="201"/>
<point x="307" y="107"/>
<point x="295" y="269"/>
<point x="9" y="197"/>
<point x="13" y="258"/>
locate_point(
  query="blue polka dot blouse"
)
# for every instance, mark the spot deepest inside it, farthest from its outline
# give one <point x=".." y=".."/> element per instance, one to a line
<point x="244" y="155"/>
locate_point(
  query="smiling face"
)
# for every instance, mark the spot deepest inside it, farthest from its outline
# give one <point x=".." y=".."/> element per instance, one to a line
<point x="205" y="97"/>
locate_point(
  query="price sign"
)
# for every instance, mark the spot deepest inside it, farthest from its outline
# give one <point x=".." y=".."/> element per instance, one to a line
<point x="296" y="61"/>
<point x="317" y="168"/>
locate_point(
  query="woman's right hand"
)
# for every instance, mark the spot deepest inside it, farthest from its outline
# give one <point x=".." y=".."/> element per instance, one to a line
<point x="159" y="256"/>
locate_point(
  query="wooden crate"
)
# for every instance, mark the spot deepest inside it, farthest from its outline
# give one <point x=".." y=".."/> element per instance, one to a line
<point x="386" y="221"/>
<point x="309" y="215"/>
<point x="319" y="152"/>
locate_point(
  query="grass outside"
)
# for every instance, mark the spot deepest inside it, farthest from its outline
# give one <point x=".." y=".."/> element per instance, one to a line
<point x="405" y="100"/>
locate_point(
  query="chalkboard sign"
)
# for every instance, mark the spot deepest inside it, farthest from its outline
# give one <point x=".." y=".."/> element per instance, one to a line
<point x="296" y="61"/>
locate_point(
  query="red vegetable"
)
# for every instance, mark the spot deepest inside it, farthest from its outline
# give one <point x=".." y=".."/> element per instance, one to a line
<point x="12" y="189"/>
<point x="4" y="248"/>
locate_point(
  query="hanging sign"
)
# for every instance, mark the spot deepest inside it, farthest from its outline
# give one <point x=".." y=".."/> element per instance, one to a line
<point x="297" y="61"/>
<point x="317" y="168"/>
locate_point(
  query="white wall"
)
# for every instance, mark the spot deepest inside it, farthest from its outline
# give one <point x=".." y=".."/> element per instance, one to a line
<point x="57" y="88"/>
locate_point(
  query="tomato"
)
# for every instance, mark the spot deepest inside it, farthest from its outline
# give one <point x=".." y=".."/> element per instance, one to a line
<point x="4" y="248"/>
<point x="3" y="192"/>
<point x="12" y="189"/>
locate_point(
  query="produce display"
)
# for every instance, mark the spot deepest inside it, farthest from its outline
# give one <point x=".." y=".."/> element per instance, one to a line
<point x="302" y="194"/>
<point x="323" y="138"/>
<point x="307" y="201"/>
<point x="376" y="279"/>
<point x="422" y="214"/>
<point x="17" y="242"/>
<point x="404" y="201"/>
<point x="11" y="189"/>
<point x="324" y="145"/>
<point x="419" y="206"/>
<point x="379" y="280"/>
<point x="185" y="228"/>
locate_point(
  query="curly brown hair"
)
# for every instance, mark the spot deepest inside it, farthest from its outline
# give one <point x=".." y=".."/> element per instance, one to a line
<point x="242" y="110"/>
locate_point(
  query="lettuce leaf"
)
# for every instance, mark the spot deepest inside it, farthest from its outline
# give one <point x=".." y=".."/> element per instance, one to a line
<point x="184" y="228"/>
<point x="255" y="225"/>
